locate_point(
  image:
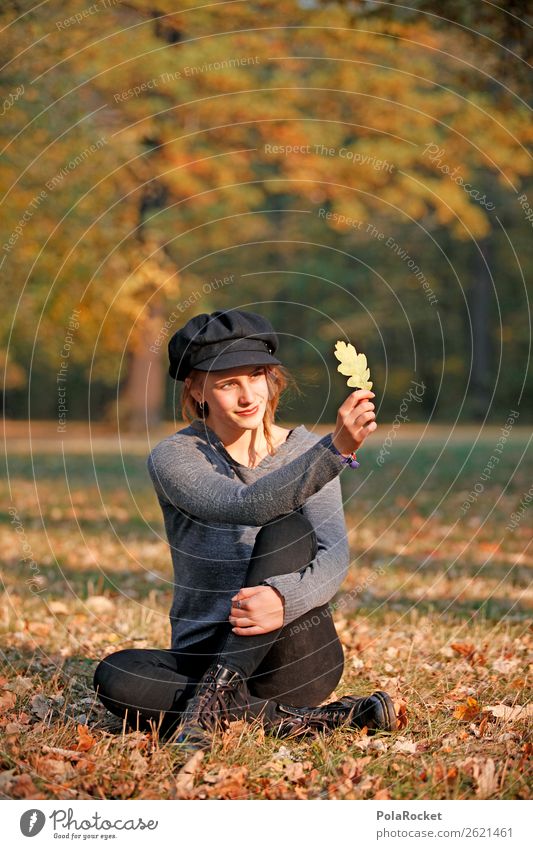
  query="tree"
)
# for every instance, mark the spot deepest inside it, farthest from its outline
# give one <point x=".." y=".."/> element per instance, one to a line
<point x="161" y="138"/>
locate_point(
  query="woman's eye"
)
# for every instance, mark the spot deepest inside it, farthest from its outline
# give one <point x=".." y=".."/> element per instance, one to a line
<point x="232" y="383"/>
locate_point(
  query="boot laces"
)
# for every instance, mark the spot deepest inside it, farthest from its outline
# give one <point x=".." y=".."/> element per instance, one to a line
<point x="210" y="704"/>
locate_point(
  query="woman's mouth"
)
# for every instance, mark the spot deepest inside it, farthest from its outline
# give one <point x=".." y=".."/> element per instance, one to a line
<point x="249" y="412"/>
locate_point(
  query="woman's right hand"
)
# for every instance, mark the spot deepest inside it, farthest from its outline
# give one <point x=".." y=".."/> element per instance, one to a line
<point x="355" y="420"/>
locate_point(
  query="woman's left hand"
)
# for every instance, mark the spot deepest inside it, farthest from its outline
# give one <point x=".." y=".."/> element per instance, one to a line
<point x="261" y="610"/>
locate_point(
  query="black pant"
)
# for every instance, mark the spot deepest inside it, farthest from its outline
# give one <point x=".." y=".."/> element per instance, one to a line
<point x="299" y="664"/>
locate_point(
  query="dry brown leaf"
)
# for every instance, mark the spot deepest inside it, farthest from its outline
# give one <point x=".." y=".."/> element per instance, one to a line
<point x="362" y="743"/>
<point x="22" y="787"/>
<point x="383" y="794"/>
<point x="85" y="765"/>
<point x="100" y="604"/>
<point x="510" y="713"/>
<point x="186" y="776"/>
<point x="58" y="608"/>
<point x="404" y="745"/>
<point x="468" y="710"/>
<point x="465" y="649"/>
<point x="40" y="629"/>
<point x="85" y="740"/>
<point x="65" y="753"/>
<point x="353" y="768"/>
<point x="7" y="777"/>
<point x="138" y="764"/>
<point x="486" y="778"/>
<point x="7" y="700"/>
<point x="294" y="771"/>
<point x="505" y="665"/>
<point x="231" y="784"/>
<point x="20" y="686"/>
<point x="54" y="768"/>
<point x="14" y="728"/>
<point x="40" y="705"/>
<point x="402" y="715"/>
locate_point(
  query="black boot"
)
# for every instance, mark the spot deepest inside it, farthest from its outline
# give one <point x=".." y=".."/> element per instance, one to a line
<point x="221" y="697"/>
<point x="376" y="712"/>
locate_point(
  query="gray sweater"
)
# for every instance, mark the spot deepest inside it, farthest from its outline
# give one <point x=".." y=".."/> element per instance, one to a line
<point x="213" y="508"/>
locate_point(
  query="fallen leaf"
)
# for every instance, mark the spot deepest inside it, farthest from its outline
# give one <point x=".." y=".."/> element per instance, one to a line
<point x="465" y="649"/>
<point x="7" y="701"/>
<point x="58" y="608"/>
<point x="468" y="710"/>
<point x="400" y="706"/>
<point x="510" y="713"/>
<point x="54" y="768"/>
<point x="20" y="686"/>
<point x="294" y="771"/>
<point x="40" y="705"/>
<point x="186" y="776"/>
<point x="65" y="753"/>
<point x="383" y="794"/>
<point x="14" y="728"/>
<point x="7" y="777"/>
<point x="486" y="778"/>
<point x="377" y="745"/>
<point x="353" y="768"/>
<point x="231" y="783"/>
<point x="100" y="604"/>
<point x="505" y="666"/>
<point x="85" y="740"/>
<point x="22" y="787"/>
<point x="138" y="764"/>
<point x="404" y="745"/>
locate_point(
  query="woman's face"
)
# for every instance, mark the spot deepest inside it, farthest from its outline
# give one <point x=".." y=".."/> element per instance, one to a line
<point x="238" y="395"/>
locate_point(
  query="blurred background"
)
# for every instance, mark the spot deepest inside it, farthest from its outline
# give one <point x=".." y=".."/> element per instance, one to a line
<point x="353" y="170"/>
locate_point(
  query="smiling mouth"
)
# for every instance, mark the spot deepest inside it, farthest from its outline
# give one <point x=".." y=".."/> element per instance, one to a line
<point x="248" y="412"/>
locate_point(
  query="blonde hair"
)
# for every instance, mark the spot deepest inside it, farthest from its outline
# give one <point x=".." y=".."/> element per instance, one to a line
<point x="278" y="380"/>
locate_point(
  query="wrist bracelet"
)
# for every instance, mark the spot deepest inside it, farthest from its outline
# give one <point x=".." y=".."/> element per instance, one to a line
<point x="350" y="461"/>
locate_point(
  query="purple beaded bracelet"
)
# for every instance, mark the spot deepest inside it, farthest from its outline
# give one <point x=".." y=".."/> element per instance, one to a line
<point x="350" y="461"/>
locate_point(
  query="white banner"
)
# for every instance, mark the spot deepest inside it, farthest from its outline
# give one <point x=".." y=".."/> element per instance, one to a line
<point x="268" y="824"/>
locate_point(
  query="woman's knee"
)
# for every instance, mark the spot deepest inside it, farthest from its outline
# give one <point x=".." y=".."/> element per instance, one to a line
<point x="288" y="543"/>
<point x="114" y="677"/>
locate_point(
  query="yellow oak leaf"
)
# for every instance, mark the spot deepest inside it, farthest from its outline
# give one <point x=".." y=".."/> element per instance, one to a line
<point x="353" y="364"/>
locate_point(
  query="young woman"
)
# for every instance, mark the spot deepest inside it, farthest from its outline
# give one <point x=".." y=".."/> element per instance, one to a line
<point x="254" y="518"/>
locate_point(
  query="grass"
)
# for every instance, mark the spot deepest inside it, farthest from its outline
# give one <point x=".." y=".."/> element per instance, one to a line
<point x="435" y="610"/>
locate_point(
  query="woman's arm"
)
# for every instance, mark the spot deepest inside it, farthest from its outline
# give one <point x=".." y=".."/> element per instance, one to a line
<point x="317" y="583"/>
<point x="183" y="476"/>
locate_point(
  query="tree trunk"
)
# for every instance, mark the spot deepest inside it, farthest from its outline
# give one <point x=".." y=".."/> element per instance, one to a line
<point x="143" y="395"/>
<point x="479" y="305"/>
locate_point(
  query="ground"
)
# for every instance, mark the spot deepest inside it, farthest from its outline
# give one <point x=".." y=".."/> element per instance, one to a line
<point x="435" y="610"/>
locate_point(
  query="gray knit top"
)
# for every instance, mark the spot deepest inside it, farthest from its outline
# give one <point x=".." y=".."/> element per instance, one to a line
<point x="213" y="508"/>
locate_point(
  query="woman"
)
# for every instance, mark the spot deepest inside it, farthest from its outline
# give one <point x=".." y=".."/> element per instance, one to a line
<point x="254" y="517"/>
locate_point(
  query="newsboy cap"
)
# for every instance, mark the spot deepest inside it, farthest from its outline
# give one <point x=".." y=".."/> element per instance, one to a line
<point x="222" y="340"/>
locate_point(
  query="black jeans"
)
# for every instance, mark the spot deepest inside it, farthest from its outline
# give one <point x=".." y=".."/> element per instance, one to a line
<point x="299" y="664"/>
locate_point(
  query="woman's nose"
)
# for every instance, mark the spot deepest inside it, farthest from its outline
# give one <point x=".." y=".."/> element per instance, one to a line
<point x="247" y="395"/>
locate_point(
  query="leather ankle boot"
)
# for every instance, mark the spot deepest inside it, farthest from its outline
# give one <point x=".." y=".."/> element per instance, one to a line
<point x="376" y="712"/>
<point x="221" y="697"/>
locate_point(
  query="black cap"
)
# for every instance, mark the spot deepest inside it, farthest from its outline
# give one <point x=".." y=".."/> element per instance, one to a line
<point x="222" y="340"/>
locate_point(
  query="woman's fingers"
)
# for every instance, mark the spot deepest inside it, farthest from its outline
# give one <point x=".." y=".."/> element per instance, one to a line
<point x="238" y="612"/>
<point x="366" y="417"/>
<point x="249" y="632"/>
<point x="242" y="622"/>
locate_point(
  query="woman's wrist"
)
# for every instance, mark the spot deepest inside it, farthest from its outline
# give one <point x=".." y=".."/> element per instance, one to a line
<point x="349" y="458"/>
<point x="346" y="452"/>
